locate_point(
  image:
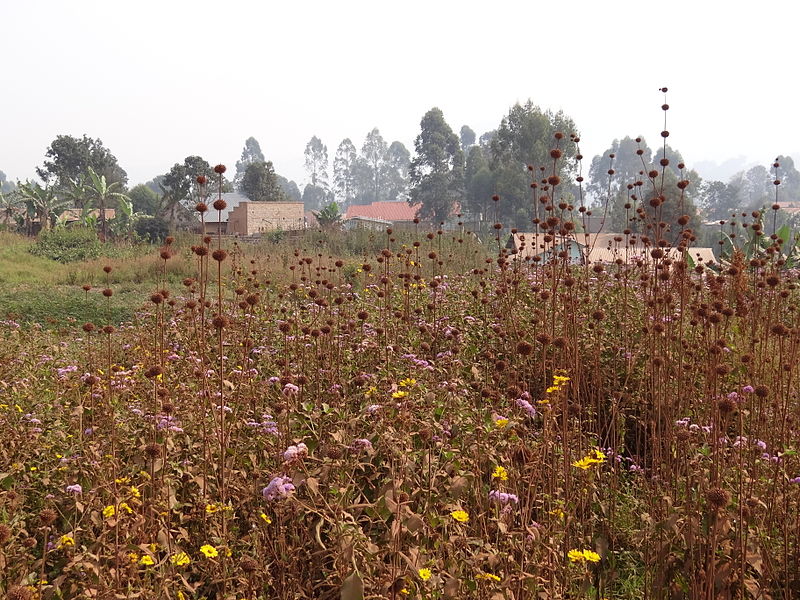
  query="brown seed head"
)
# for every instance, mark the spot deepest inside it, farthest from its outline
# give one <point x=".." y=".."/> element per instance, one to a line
<point x="718" y="498"/>
<point x="47" y="517"/>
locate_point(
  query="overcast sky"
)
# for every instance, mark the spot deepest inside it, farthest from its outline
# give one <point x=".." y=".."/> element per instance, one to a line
<point x="159" y="80"/>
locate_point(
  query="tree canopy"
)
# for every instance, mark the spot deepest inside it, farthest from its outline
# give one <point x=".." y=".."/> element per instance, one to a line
<point x="436" y="171"/>
<point x="260" y="183"/>
<point x="68" y="158"/>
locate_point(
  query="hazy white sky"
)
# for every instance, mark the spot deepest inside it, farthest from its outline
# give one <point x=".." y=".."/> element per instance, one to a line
<point x="159" y="80"/>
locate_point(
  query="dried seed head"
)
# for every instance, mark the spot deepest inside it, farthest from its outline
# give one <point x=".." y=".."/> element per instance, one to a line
<point x="5" y="534"/>
<point x="220" y="204"/>
<point x="19" y="592"/>
<point x="47" y="516"/>
<point x="718" y="498"/>
<point x="248" y="564"/>
<point x="152" y="450"/>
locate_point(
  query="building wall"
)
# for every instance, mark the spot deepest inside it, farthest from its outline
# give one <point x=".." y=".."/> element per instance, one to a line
<point x="250" y="218"/>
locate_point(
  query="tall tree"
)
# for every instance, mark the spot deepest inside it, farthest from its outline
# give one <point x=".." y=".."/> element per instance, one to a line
<point x="316" y="155"/>
<point x="5" y="185"/>
<point x="629" y="159"/>
<point x="479" y="183"/>
<point x="315" y="197"/>
<point x="526" y="136"/>
<point x="719" y="200"/>
<point x="260" y="183"/>
<point x="436" y="172"/>
<point x="395" y="171"/>
<point x="373" y="151"/>
<point x="344" y="164"/>
<point x="144" y="199"/>
<point x="250" y="154"/>
<point x="290" y="189"/>
<point x="68" y="157"/>
<point x="179" y="185"/>
<point x="467" y="136"/>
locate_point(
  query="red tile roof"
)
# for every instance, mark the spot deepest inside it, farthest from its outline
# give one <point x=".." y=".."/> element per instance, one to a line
<point x="389" y="211"/>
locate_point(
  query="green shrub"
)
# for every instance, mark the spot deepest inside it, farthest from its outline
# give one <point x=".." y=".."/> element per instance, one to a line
<point x="152" y="229"/>
<point x="67" y="245"/>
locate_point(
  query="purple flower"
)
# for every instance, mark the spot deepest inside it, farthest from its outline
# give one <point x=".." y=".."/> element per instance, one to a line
<point x="279" y="488"/>
<point x="748" y="389"/>
<point x="795" y="480"/>
<point x="502" y="498"/>
<point x="75" y="488"/>
<point x="290" y="389"/>
<point x="295" y="452"/>
<point x="361" y="444"/>
<point x="526" y="406"/>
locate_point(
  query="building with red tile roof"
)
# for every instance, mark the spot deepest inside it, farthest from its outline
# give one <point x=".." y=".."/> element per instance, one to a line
<point x="396" y="212"/>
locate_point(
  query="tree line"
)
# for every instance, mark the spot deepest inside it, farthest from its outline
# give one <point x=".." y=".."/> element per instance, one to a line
<point x="507" y="175"/>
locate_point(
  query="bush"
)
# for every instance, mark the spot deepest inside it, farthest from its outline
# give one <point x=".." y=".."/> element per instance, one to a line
<point x="67" y="245"/>
<point x="152" y="229"/>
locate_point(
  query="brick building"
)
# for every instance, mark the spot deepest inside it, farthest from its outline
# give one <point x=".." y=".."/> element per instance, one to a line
<point x="245" y="217"/>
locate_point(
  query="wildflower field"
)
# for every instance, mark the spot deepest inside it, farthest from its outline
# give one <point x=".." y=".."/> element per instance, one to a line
<point x="432" y="419"/>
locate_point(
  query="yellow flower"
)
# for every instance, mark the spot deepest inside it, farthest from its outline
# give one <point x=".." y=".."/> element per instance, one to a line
<point x="500" y="473"/>
<point x="135" y="491"/>
<point x="124" y="506"/>
<point x="34" y="468"/>
<point x="591" y="556"/>
<point x="180" y="595"/>
<point x="557" y="513"/>
<point x="371" y="391"/>
<point x="408" y="382"/>
<point x="109" y="511"/>
<point x="265" y="518"/>
<point x="147" y="560"/>
<point x="180" y="559"/>
<point x="209" y="550"/>
<point x="599" y="455"/>
<point x="212" y="508"/>
<point x="66" y="541"/>
<point x="460" y="515"/>
<point x="424" y="574"/>
<point x="399" y="394"/>
<point x="487" y="577"/>
<point x="576" y="555"/>
<point x="133" y="557"/>
<point x="584" y="463"/>
<point x="500" y="423"/>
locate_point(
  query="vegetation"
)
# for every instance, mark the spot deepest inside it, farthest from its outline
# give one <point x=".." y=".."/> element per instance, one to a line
<point x="415" y="414"/>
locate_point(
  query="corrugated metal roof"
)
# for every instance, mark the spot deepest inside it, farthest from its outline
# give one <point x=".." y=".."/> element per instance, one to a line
<point x="232" y="199"/>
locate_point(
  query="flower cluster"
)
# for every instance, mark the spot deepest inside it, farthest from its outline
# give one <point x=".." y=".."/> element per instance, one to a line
<point x="503" y="498"/>
<point x="279" y="488"/>
<point x="296" y="452"/>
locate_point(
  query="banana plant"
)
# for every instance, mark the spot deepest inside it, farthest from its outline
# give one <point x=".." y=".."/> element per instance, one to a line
<point x="41" y="201"/>
<point x="100" y="193"/>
